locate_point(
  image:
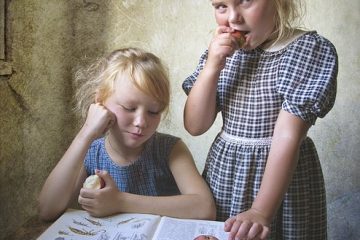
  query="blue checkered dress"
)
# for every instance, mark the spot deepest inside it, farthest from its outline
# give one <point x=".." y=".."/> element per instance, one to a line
<point x="149" y="175"/>
<point x="253" y="87"/>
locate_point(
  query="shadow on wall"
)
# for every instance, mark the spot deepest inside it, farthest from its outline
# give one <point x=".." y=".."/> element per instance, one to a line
<point x="45" y="40"/>
<point x="344" y="217"/>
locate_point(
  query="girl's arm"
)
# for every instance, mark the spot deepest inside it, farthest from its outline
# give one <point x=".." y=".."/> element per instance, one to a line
<point x="195" y="201"/>
<point x="200" y="107"/>
<point x="288" y="135"/>
<point x="65" y="180"/>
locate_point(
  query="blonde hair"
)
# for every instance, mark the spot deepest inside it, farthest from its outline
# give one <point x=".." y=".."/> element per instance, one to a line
<point x="289" y="14"/>
<point x="143" y="69"/>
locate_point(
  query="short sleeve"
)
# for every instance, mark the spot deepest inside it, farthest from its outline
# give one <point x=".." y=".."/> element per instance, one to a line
<point x="162" y="145"/>
<point x="307" y="77"/>
<point x="190" y="81"/>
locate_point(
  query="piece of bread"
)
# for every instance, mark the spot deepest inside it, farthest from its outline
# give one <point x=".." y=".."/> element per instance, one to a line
<point x="94" y="182"/>
<point x="240" y="38"/>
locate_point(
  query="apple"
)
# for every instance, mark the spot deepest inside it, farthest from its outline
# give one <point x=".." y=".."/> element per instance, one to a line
<point x="94" y="182"/>
<point x="240" y="38"/>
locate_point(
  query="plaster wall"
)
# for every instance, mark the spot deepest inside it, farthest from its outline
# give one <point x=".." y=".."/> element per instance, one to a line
<point x="47" y="40"/>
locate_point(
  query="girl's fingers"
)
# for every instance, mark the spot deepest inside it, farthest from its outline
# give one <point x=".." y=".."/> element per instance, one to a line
<point x="84" y="201"/>
<point x="222" y="29"/>
<point x="234" y="229"/>
<point x="243" y="230"/>
<point x="87" y="193"/>
<point x="228" y="223"/>
<point x="255" y="231"/>
<point x="265" y="233"/>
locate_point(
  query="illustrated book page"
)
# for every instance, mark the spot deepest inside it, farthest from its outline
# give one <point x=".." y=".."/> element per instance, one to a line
<point x="188" y="229"/>
<point x="79" y="225"/>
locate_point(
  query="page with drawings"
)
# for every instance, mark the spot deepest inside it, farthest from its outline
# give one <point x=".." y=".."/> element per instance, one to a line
<point x="79" y="225"/>
<point x="187" y="229"/>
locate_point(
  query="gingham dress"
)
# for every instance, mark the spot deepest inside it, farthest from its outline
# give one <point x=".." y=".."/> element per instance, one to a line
<point x="253" y="87"/>
<point x="149" y="175"/>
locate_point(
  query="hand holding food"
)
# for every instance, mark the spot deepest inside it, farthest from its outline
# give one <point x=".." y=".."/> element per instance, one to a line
<point x="94" y="182"/>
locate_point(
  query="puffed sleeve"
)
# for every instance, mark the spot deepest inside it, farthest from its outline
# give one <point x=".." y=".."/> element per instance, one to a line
<point x="307" y="77"/>
<point x="189" y="81"/>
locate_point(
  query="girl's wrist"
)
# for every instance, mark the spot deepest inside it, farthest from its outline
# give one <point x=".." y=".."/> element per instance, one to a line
<point x="212" y="70"/>
<point x="266" y="214"/>
<point x="85" y="136"/>
<point x="122" y="202"/>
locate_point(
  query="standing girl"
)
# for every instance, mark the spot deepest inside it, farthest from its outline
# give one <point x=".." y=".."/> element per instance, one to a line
<point x="262" y="168"/>
<point x="124" y="96"/>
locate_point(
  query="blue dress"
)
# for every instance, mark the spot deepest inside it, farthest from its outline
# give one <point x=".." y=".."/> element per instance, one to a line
<point x="252" y="89"/>
<point x="149" y="175"/>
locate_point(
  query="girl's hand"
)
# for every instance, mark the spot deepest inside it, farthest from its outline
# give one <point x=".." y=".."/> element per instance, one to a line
<point x="222" y="46"/>
<point x="98" y="121"/>
<point x="100" y="202"/>
<point x="247" y="225"/>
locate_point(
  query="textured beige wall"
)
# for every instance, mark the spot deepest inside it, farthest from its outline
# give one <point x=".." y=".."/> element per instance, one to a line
<point x="337" y="136"/>
<point x="47" y="39"/>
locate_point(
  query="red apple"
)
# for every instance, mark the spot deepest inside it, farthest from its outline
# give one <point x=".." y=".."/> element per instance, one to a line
<point x="240" y="38"/>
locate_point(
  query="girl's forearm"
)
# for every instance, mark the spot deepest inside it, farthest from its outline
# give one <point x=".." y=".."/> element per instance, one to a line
<point x="62" y="182"/>
<point x="180" y="206"/>
<point x="288" y="135"/>
<point x="277" y="176"/>
<point x="200" y="108"/>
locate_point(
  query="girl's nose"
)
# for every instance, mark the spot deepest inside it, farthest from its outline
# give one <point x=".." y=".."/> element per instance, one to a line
<point x="140" y="120"/>
<point x="235" y="16"/>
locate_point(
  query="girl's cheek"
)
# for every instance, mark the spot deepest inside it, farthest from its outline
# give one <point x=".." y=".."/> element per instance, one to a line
<point x="221" y="20"/>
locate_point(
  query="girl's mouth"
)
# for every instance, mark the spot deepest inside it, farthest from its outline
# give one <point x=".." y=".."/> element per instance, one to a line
<point x="137" y="135"/>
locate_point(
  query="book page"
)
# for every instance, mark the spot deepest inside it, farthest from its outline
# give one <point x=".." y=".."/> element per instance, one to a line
<point x="79" y="225"/>
<point x="188" y="229"/>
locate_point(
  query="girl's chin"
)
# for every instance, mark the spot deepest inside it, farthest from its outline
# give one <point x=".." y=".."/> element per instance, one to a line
<point x="135" y="143"/>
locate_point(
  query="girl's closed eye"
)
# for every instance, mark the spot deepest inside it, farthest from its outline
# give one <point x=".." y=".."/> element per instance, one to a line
<point x="154" y="112"/>
<point x="128" y="108"/>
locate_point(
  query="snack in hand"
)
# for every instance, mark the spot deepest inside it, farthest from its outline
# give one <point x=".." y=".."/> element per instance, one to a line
<point x="94" y="182"/>
<point x="240" y="38"/>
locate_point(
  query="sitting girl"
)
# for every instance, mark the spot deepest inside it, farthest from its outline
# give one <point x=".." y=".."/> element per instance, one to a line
<point x="123" y="97"/>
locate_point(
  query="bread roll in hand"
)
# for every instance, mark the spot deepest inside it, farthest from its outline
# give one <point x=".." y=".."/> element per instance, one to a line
<point x="94" y="182"/>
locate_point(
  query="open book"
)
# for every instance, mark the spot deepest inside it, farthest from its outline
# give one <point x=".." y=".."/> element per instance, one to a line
<point x="79" y="225"/>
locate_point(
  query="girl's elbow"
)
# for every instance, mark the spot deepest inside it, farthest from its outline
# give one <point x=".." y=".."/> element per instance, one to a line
<point x="47" y="213"/>
<point x="194" y="131"/>
<point x="207" y="211"/>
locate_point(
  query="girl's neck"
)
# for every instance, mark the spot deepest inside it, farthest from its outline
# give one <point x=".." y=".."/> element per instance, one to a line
<point x="120" y="154"/>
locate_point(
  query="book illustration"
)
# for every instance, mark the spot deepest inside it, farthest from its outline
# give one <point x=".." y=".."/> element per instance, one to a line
<point x="133" y="236"/>
<point x="189" y="229"/>
<point x="79" y="225"/>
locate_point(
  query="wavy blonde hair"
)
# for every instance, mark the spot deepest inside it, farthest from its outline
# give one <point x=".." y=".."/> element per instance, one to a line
<point x="289" y="16"/>
<point x="144" y="69"/>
